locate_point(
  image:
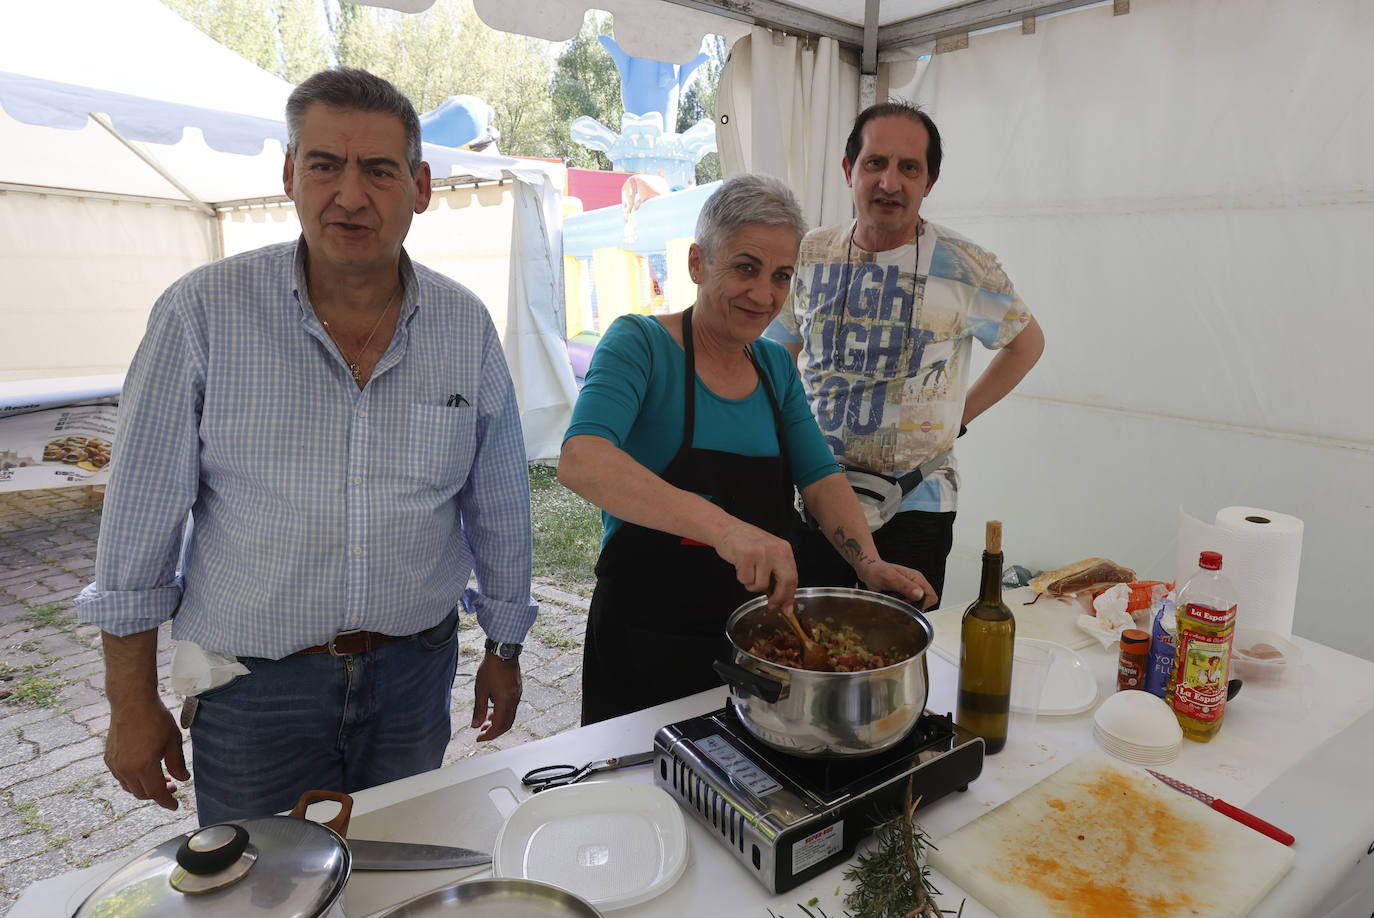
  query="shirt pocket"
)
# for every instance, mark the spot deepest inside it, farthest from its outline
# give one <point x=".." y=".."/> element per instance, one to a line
<point x="440" y="445"/>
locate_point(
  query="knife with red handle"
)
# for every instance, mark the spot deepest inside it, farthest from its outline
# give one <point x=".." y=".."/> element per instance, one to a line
<point x="1221" y="806"/>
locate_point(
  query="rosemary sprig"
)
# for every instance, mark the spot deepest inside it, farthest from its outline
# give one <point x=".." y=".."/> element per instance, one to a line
<point x="892" y="880"/>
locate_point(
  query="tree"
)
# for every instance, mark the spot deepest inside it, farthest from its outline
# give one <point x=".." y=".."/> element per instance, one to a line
<point x="303" y="47"/>
<point x="585" y="82"/>
<point x="699" y="101"/>
<point x="448" y="50"/>
<point x="444" y="51"/>
<point x="250" y="22"/>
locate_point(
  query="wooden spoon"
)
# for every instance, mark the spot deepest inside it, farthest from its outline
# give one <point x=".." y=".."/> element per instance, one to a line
<point x="814" y="655"/>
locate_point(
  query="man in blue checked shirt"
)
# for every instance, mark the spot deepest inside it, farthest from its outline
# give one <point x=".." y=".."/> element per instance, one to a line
<point x="342" y="429"/>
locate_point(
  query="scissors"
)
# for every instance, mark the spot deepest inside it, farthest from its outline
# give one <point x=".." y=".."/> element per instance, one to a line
<point x="539" y="779"/>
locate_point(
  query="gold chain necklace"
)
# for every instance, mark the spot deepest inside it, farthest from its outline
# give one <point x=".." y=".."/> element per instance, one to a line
<point x="353" y="364"/>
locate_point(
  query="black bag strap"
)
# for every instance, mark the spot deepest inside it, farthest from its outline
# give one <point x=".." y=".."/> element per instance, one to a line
<point x="911" y="479"/>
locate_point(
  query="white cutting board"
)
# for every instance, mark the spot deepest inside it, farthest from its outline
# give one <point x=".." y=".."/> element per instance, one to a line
<point x="1049" y="619"/>
<point x="464" y="815"/>
<point x="1098" y="838"/>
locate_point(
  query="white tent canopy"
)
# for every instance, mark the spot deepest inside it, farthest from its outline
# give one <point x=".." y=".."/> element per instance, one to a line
<point x="111" y="105"/>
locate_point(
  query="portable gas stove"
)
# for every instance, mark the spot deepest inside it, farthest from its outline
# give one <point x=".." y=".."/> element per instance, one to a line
<point x="789" y="819"/>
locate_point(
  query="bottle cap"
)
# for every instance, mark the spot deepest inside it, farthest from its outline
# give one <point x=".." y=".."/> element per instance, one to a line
<point x="1134" y="640"/>
<point x="1209" y="561"/>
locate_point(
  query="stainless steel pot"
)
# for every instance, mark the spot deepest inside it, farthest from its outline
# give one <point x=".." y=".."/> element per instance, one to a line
<point x="822" y="714"/>
<point x="275" y="865"/>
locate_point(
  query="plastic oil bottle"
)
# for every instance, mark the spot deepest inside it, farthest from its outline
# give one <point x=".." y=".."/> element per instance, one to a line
<point x="1206" y="610"/>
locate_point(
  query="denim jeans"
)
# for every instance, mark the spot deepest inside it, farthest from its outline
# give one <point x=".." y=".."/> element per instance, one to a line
<point x="320" y="722"/>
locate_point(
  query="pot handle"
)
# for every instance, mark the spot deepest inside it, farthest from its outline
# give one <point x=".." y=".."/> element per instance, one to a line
<point x="737" y="677"/>
<point x="340" y="821"/>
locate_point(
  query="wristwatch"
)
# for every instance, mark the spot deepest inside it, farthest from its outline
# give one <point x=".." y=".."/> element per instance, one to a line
<point x="503" y="650"/>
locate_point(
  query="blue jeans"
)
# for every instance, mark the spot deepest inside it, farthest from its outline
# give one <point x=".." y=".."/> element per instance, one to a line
<point x="320" y="722"/>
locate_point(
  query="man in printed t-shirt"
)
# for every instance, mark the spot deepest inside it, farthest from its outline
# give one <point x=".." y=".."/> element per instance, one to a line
<point x="883" y="314"/>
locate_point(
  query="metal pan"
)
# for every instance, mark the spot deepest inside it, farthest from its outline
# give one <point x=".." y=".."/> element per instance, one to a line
<point x="496" y="898"/>
<point x="824" y="714"/>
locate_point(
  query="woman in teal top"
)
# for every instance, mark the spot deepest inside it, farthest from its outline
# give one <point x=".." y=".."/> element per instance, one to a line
<point x="691" y="433"/>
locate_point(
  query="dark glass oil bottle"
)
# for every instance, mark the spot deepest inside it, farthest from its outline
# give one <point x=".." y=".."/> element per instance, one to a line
<point x="986" y="641"/>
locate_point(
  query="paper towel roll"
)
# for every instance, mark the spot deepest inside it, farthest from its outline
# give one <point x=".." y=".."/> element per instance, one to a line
<point x="1261" y="552"/>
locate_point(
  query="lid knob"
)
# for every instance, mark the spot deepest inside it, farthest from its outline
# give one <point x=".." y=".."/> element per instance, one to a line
<point x="212" y="849"/>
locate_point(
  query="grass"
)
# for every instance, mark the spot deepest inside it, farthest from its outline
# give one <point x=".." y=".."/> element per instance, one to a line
<point x="567" y="530"/>
<point x="50" y="615"/>
<point x="551" y="637"/>
<point x="37" y="690"/>
<point x="27" y="811"/>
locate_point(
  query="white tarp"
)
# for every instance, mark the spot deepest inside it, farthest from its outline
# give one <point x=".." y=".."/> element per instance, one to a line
<point x="1182" y="196"/>
<point x="780" y="106"/>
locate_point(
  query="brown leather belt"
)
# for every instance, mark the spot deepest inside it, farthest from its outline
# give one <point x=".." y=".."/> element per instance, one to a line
<point x="348" y="643"/>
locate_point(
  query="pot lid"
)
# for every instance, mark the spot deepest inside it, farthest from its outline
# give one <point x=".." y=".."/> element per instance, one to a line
<point x="274" y="865"/>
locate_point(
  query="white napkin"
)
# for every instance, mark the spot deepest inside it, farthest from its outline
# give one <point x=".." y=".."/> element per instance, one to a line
<point x="196" y="670"/>
<point x="1111" y="618"/>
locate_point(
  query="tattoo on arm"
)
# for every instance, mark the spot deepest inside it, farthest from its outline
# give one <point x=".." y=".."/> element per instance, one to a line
<point x="849" y="548"/>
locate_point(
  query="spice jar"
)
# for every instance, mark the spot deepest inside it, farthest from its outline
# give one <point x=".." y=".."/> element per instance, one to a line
<point x="1135" y="654"/>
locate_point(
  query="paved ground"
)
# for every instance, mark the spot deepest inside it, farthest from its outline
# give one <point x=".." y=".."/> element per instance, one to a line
<point x="59" y="808"/>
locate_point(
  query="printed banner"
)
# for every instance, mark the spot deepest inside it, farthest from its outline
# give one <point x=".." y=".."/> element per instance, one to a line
<point x="56" y="447"/>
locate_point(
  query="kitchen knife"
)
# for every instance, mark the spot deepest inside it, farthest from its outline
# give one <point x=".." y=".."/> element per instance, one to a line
<point x="1221" y="806"/>
<point x="389" y="855"/>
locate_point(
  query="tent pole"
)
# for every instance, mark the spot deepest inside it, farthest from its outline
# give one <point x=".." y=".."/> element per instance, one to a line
<point x="868" y="61"/>
<point x="154" y="164"/>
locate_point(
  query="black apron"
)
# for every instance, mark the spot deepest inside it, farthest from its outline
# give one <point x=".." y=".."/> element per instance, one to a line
<point x="657" y="617"/>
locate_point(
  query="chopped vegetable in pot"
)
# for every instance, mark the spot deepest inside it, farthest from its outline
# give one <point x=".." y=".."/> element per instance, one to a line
<point x="843" y="645"/>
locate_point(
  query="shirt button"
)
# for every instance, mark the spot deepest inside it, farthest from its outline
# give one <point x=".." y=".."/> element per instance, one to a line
<point x="362" y="414"/>
<point x="357" y="480"/>
<point x="357" y="549"/>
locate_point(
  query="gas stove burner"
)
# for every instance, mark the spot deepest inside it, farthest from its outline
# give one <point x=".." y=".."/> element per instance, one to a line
<point x="789" y="818"/>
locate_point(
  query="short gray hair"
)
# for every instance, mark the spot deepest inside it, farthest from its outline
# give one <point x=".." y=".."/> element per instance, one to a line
<point x="356" y="90"/>
<point x="747" y="200"/>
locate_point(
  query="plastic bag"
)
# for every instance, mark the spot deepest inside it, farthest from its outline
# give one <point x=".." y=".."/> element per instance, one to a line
<point x="1091" y="575"/>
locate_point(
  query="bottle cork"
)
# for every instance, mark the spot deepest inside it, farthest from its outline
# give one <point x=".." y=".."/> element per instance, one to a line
<point x="994" y="539"/>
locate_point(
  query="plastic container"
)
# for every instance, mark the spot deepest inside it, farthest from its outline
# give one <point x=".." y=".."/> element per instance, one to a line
<point x="1202" y="655"/>
<point x="1263" y="655"/>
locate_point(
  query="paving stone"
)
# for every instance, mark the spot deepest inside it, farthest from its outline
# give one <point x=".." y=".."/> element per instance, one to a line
<point x="87" y="761"/>
<point x="13" y="749"/>
<point x="149" y="822"/>
<point x="63" y="581"/>
<point x="117" y="799"/>
<point x="22" y="873"/>
<point x="553" y="721"/>
<point x="18" y="846"/>
<point x="71" y="814"/>
<point x="14" y="718"/>
<point x="81" y="674"/>
<point x="86" y="713"/>
<point x="60" y="730"/>
<point x="11" y="825"/>
<point x="64" y="646"/>
<point x="19" y="659"/>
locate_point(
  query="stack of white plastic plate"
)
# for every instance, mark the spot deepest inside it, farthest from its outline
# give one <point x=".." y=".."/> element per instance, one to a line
<point x="1138" y="727"/>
